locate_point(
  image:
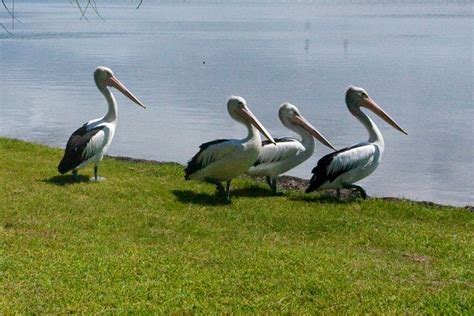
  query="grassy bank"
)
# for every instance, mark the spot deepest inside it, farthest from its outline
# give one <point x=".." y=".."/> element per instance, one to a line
<point x="146" y="240"/>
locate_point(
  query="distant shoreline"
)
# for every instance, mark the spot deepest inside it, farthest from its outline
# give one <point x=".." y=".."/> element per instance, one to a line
<point x="299" y="184"/>
<point x="286" y="182"/>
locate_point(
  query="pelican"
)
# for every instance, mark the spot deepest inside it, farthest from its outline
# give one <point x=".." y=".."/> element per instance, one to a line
<point x="224" y="159"/>
<point x="288" y="152"/>
<point x="344" y="167"/>
<point x="89" y="143"/>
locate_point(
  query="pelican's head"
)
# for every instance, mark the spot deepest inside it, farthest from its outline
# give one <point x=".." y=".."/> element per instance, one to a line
<point x="101" y="73"/>
<point x="104" y="77"/>
<point x="238" y="110"/>
<point x="357" y="97"/>
<point x="291" y="117"/>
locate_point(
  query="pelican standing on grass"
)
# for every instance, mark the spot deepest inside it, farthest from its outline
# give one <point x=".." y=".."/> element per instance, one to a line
<point x="224" y="159"/>
<point x="288" y="152"/>
<point x="89" y="143"/>
<point x="344" y="167"/>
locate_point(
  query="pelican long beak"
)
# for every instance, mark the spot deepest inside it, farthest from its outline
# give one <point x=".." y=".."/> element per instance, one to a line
<point x="255" y="122"/>
<point x="114" y="82"/>
<point x="313" y="131"/>
<point x="374" y="107"/>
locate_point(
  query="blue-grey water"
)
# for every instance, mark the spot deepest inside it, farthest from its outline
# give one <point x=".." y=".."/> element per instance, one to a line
<point x="184" y="60"/>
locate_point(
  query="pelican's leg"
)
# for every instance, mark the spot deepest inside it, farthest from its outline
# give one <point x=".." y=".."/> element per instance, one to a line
<point x="358" y="188"/>
<point x="217" y="183"/>
<point x="227" y="191"/>
<point x="274" y="185"/>
<point x="269" y="181"/>
<point x="74" y="175"/>
<point x="96" y="177"/>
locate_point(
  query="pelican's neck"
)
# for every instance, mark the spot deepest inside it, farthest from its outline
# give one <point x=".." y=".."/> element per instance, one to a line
<point x="307" y="140"/>
<point x="253" y="134"/>
<point x="111" y="115"/>
<point x="375" y="136"/>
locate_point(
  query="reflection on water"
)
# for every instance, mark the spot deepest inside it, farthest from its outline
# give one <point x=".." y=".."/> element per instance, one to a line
<point x="346" y="43"/>
<point x="415" y="60"/>
<point x="57" y="35"/>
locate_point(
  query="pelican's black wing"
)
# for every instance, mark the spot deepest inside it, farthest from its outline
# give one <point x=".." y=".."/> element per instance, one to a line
<point x="279" y="140"/>
<point x="74" y="154"/>
<point x="339" y="162"/>
<point x="197" y="163"/>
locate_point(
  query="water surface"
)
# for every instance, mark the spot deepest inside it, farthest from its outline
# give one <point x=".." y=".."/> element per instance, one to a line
<point x="184" y="60"/>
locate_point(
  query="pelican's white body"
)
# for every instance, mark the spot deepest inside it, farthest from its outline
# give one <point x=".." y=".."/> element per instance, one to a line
<point x="347" y="166"/>
<point x="359" y="160"/>
<point x="224" y="159"/>
<point x="89" y="143"/>
<point x="365" y="156"/>
<point x="100" y="142"/>
<point x="288" y="152"/>
<point x="282" y="157"/>
<point x="229" y="159"/>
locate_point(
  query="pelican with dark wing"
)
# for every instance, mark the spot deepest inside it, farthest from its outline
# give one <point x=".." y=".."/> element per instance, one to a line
<point x="288" y="152"/>
<point x="224" y="159"/>
<point x="344" y="167"/>
<point x="88" y="144"/>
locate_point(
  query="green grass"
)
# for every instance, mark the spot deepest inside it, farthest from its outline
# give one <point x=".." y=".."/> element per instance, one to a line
<point x="147" y="241"/>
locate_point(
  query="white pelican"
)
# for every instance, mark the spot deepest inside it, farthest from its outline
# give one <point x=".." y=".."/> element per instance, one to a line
<point x="224" y="159"/>
<point x="346" y="166"/>
<point x="89" y="143"/>
<point x="289" y="152"/>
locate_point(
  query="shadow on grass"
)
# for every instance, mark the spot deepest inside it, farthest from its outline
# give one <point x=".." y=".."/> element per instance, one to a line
<point x="63" y="180"/>
<point x="188" y="196"/>
<point x="253" y="191"/>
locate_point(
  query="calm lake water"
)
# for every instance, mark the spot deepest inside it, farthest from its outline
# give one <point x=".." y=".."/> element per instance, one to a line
<point x="184" y="60"/>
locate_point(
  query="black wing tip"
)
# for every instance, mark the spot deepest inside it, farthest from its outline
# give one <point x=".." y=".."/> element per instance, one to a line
<point x="188" y="171"/>
<point x="309" y="189"/>
<point x="63" y="167"/>
<point x="315" y="181"/>
<point x="257" y="162"/>
<point x="192" y="166"/>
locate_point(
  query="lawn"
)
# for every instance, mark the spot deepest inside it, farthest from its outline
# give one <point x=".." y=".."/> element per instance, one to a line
<point x="145" y="240"/>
